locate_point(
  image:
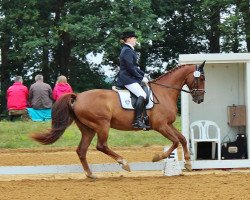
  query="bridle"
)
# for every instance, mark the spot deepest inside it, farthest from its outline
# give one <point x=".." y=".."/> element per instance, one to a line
<point x="195" y="92"/>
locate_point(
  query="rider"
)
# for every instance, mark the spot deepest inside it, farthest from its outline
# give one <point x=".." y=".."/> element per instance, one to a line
<point x="130" y="76"/>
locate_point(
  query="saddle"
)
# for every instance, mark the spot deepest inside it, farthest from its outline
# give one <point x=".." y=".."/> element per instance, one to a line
<point x="128" y="99"/>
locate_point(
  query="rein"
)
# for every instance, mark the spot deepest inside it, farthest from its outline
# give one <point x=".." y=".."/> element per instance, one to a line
<point x="166" y="86"/>
<point x="171" y="87"/>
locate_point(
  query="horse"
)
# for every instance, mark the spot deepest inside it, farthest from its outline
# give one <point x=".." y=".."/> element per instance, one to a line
<point x="96" y="111"/>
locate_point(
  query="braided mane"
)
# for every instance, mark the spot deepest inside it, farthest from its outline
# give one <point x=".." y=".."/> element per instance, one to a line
<point x="168" y="72"/>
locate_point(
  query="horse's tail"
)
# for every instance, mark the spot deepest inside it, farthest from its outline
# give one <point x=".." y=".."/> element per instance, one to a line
<point x="62" y="117"/>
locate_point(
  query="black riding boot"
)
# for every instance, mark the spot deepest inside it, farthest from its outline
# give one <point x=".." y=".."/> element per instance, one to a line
<point x="138" y="122"/>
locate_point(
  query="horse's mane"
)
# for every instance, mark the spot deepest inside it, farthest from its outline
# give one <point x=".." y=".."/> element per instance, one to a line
<point x="166" y="73"/>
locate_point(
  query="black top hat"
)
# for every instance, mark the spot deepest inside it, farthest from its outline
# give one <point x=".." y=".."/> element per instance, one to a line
<point x="128" y="34"/>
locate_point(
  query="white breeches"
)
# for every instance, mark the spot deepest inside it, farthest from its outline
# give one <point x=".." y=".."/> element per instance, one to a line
<point x="136" y="89"/>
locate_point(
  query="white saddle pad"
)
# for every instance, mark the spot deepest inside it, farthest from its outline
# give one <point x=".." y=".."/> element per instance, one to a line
<point x="126" y="101"/>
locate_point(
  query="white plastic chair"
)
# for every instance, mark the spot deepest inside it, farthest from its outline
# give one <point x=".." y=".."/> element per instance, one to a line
<point x="205" y="131"/>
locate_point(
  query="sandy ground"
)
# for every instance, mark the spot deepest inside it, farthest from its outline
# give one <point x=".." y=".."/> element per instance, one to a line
<point x="69" y="156"/>
<point x="205" y="184"/>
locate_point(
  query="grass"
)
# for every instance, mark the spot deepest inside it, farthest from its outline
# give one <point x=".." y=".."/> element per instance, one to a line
<point x="15" y="135"/>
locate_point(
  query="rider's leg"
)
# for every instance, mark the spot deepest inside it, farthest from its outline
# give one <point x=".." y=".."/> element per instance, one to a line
<point x="137" y="90"/>
<point x="139" y="108"/>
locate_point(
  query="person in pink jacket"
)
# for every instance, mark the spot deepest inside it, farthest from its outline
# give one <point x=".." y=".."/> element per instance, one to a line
<point x="17" y="95"/>
<point x="61" y="87"/>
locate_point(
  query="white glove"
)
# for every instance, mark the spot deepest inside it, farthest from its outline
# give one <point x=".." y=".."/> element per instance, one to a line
<point x="147" y="76"/>
<point x="145" y="80"/>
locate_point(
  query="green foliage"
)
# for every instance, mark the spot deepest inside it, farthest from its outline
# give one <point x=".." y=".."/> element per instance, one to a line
<point x="178" y="31"/>
<point x="53" y="37"/>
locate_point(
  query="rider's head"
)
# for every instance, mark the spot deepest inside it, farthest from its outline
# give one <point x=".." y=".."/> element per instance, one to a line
<point x="129" y="37"/>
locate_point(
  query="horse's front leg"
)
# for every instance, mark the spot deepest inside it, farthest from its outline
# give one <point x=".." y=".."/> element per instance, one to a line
<point x="103" y="147"/>
<point x="183" y="142"/>
<point x="167" y="132"/>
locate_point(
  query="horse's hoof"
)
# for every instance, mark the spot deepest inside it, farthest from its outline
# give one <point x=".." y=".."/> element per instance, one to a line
<point x="124" y="164"/>
<point x="126" y="167"/>
<point x="91" y="176"/>
<point x="188" y="166"/>
<point x="156" y="158"/>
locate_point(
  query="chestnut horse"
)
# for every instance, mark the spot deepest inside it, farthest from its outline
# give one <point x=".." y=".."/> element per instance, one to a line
<point x="96" y="111"/>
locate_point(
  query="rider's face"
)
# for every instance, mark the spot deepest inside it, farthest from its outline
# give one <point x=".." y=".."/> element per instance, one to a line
<point x="132" y="41"/>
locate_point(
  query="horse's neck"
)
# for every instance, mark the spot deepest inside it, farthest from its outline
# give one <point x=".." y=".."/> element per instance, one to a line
<point x="176" y="78"/>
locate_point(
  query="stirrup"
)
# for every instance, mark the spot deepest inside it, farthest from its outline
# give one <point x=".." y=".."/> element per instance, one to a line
<point x="146" y="120"/>
<point x="140" y="125"/>
<point x="146" y="127"/>
<point x="146" y="123"/>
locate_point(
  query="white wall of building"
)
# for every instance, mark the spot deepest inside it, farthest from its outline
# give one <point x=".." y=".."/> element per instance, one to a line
<point x="227" y="83"/>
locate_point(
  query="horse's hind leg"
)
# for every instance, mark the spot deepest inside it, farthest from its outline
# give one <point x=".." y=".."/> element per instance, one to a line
<point x="183" y="142"/>
<point x="87" y="136"/>
<point x="103" y="147"/>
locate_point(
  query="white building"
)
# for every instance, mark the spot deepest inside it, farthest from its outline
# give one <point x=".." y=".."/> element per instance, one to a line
<point x="227" y="84"/>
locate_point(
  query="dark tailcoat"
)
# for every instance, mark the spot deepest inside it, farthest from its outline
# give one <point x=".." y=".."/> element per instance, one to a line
<point x="129" y="72"/>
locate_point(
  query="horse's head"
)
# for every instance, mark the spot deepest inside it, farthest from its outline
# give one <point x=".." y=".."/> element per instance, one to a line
<point x="196" y="83"/>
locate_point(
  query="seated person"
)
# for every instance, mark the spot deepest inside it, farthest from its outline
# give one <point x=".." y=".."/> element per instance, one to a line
<point x="61" y="87"/>
<point x="17" y="98"/>
<point x="40" y="100"/>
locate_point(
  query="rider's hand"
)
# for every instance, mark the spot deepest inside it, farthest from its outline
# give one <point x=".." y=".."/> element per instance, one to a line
<point x="145" y="80"/>
<point x="147" y="76"/>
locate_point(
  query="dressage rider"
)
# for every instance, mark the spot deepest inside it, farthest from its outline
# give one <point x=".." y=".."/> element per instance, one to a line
<point x="130" y="76"/>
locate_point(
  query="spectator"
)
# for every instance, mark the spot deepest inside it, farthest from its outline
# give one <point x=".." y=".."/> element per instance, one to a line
<point x="17" y="98"/>
<point x="61" y="87"/>
<point x="40" y="99"/>
<point x="17" y="95"/>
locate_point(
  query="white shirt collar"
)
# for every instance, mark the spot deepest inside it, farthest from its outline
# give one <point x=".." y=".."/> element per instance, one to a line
<point x="130" y="46"/>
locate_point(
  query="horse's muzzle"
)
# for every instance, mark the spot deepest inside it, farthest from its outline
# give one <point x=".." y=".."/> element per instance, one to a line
<point x="198" y="96"/>
<point x="198" y="100"/>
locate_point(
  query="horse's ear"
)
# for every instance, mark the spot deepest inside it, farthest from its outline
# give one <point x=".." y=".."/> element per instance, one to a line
<point x="202" y="66"/>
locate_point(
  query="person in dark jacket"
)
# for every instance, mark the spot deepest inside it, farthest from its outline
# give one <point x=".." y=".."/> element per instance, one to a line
<point x="130" y="76"/>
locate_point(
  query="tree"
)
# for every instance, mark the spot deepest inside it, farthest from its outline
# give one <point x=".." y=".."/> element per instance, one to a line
<point x="243" y="6"/>
<point x="228" y="22"/>
<point x="13" y="28"/>
<point x="178" y="31"/>
<point x="53" y="37"/>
